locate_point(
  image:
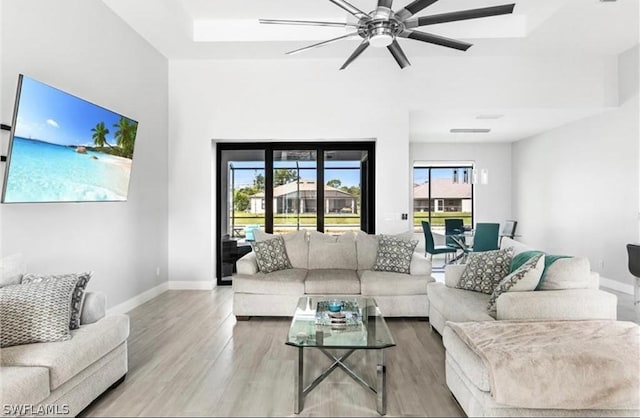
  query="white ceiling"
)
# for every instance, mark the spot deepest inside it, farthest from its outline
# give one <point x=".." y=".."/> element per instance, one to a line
<point x="216" y="29"/>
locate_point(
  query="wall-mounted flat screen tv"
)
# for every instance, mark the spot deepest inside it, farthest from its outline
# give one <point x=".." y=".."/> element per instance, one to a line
<point x="66" y="149"/>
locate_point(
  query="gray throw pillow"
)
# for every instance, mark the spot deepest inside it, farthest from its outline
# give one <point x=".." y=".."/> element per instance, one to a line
<point x="36" y="312"/>
<point x="484" y="270"/>
<point x="78" y="293"/>
<point x="394" y="254"/>
<point x="524" y="278"/>
<point x="271" y="255"/>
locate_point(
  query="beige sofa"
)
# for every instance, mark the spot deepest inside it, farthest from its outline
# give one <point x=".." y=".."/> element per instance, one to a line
<point x="446" y="303"/>
<point x="62" y="378"/>
<point x="329" y="265"/>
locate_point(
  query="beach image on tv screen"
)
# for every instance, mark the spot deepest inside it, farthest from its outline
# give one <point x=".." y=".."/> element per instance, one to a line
<point x="65" y="149"/>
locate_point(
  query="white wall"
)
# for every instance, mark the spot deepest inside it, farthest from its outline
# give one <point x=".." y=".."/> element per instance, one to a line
<point x="576" y="188"/>
<point x="266" y="100"/>
<point x="307" y="99"/>
<point x="493" y="200"/>
<point x="81" y="47"/>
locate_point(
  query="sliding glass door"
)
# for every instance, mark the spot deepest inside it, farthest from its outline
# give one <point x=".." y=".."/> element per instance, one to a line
<point x="441" y="193"/>
<point x="274" y="187"/>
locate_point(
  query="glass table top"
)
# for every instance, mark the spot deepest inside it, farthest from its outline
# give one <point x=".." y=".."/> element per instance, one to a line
<point x="359" y="324"/>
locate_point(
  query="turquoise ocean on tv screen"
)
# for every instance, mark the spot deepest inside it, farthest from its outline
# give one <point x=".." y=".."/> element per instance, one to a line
<point x="44" y="172"/>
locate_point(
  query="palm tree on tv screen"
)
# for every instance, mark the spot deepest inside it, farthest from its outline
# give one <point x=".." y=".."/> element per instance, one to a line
<point x="125" y="136"/>
<point x="99" y="136"/>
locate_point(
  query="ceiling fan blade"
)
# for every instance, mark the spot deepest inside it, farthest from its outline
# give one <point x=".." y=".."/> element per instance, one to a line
<point x="359" y="50"/>
<point x="306" y="23"/>
<point x="323" y="43"/>
<point x="398" y="54"/>
<point x="461" y="15"/>
<point x="385" y="3"/>
<point x="435" y="39"/>
<point x="350" y="8"/>
<point x="412" y="8"/>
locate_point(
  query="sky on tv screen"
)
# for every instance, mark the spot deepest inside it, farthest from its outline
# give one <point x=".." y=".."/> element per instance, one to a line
<point x="67" y="149"/>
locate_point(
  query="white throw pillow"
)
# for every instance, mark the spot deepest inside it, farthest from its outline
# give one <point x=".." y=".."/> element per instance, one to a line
<point x="332" y="251"/>
<point x="567" y="273"/>
<point x="367" y="249"/>
<point x="12" y="268"/>
<point x="523" y="279"/>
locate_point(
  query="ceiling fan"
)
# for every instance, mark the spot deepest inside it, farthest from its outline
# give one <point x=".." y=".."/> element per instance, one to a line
<point x="382" y="26"/>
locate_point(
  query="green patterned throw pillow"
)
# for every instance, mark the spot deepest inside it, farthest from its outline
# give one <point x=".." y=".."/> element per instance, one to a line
<point x="524" y="278"/>
<point x="271" y="255"/>
<point x="394" y="254"/>
<point x="484" y="270"/>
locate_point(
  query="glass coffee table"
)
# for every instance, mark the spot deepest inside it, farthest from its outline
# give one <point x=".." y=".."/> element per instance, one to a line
<point x="358" y="326"/>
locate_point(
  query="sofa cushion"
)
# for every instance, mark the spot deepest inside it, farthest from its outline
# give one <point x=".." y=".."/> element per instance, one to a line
<point x="77" y="299"/>
<point x="271" y="255"/>
<point x="394" y="254"/>
<point x="382" y="283"/>
<point x="524" y="278"/>
<point x="484" y="270"/>
<point x="458" y="305"/>
<point x="283" y="282"/>
<point x="516" y="246"/>
<point x="296" y="244"/>
<point x="567" y="273"/>
<point x="470" y="362"/>
<point x="332" y="251"/>
<point x="36" y="312"/>
<point x="23" y="386"/>
<point x="367" y="249"/>
<point x="12" y="268"/>
<point x="65" y="359"/>
<point x="332" y="282"/>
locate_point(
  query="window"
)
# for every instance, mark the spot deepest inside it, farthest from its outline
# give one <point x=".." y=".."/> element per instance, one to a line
<point x="441" y="193"/>
<point x="274" y="186"/>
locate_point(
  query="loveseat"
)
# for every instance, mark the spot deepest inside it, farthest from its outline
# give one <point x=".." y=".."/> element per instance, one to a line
<point x="579" y="299"/>
<point x="325" y="264"/>
<point x="62" y="378"/>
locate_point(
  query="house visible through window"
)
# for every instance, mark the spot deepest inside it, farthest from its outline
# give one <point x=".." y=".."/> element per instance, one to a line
<point x="274" y="187"/>
<point x="441" y="193"/>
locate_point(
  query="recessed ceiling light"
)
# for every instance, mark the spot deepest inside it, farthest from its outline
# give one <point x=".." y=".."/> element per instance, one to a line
<point x="608" y="1"/>
<point x="490" y="116"/>
<point x="469" y="130"/>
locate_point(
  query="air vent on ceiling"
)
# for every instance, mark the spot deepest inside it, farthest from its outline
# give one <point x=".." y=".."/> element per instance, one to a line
<point x="470" y="130"/>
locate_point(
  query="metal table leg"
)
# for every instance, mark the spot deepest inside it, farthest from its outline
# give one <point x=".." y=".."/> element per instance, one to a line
<point x="381" y="389"/>
<point x="299" y="382"/>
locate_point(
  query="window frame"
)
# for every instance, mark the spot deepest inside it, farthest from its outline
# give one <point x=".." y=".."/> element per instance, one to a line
<point x="367" y="209"/>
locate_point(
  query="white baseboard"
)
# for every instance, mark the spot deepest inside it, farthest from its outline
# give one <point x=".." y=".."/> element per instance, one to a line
<point x="199" y="285"/>
<point x="616" y="285"/>
<point x="138" y="300"/>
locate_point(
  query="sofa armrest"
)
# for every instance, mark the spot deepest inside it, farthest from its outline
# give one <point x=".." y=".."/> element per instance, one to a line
<point x="420" y="265"/>
<point x="452" y="274"/>
<point x="557" y="304"/>
<point x="94" y="307"/>
<point x="247" y="264"/>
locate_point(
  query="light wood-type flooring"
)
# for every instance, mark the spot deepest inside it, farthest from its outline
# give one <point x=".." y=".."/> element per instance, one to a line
<point x="189" y="357"/>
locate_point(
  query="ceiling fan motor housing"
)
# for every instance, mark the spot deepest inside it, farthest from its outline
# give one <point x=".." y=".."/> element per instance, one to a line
<point x="380" y="27"/>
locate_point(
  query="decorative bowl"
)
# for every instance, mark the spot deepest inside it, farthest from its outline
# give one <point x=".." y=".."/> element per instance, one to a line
<point x="334" y="305"/>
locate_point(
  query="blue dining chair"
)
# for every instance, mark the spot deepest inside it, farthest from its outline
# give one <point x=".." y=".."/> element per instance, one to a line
<point x="485" y="238"/>
<point x="429" y="243"/>
<point x="453" y="226"/>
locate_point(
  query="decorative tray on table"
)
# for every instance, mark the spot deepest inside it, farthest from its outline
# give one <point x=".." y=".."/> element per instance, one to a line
<point x="348" y="316"/>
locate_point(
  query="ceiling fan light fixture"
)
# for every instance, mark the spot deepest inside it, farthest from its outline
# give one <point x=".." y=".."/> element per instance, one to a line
<point x="381" y="40"/>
